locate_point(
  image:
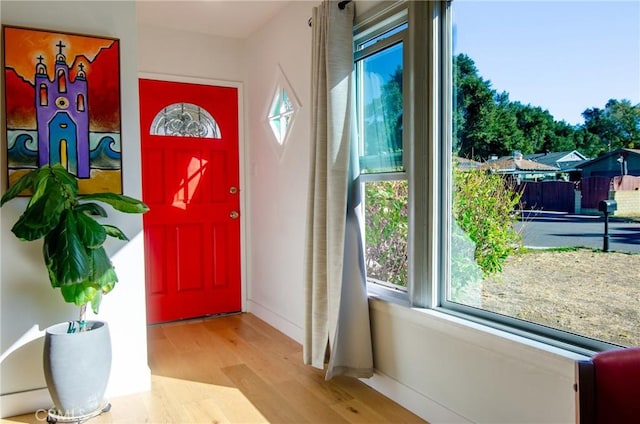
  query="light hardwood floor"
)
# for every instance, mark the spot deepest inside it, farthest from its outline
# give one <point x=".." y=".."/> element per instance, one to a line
<point x="238" y="369"/>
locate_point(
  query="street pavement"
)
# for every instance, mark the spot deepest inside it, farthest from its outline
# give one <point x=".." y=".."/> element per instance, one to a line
<point x="557" y="229"/>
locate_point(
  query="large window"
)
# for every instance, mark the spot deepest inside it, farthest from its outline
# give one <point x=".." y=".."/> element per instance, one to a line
<point x="477" y="151"/>
<point x="379" y="63"/>
<point x="528" y="110"/>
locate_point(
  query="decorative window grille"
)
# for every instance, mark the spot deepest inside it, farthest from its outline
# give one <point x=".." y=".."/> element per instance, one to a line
<point x="185" y="120"/>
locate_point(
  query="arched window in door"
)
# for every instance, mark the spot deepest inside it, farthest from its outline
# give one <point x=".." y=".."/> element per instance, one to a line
<point x="185" y="120"/>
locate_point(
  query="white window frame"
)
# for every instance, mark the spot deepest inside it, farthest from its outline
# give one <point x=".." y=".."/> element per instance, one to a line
<point x="443" y="103"/>
<point x="427" y="74"/>
<point x="373" y="26"/>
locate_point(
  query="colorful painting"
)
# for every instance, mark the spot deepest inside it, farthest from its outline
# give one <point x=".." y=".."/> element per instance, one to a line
<point x="62" y="98"/>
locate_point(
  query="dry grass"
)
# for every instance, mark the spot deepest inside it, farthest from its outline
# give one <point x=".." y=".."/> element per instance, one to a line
<point x="586" y="292"/>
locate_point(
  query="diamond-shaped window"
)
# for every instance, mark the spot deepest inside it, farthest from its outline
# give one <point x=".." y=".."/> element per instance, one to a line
<point x="282" y="112"/>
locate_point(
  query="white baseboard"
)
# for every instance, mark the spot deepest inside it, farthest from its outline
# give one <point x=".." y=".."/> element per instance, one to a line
<point x="416" y="402"/>
<point x="276" y="321"/>
<point x="25" y="402"/>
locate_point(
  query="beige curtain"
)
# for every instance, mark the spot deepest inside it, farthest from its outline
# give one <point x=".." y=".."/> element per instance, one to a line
<point x="337" y="316"/>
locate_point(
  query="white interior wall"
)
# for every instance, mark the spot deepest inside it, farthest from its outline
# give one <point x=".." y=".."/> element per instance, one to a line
<point x="447" y="370"/>
<point x="278" y="175"/>
<point x="188" y="54"/>
<point x="25" y="294"/>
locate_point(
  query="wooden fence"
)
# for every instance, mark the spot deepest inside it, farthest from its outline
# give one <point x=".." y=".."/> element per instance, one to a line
<point x="594" y="189"/>
<point x="557" y="196"/>
<point x="560" y="196"/>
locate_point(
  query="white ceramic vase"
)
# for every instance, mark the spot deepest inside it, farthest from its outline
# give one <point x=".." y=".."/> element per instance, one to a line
<point x="77" y="367"/>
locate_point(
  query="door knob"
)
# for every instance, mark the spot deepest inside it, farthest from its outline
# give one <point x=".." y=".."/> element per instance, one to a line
<point x="233" y="190"/>
<point x="234" y="215"/>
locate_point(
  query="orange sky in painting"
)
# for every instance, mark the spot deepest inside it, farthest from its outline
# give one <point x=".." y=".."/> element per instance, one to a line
<point x="23" y="46"/>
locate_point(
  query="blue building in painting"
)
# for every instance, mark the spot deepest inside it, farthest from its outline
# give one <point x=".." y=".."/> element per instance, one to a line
<point x="62" y="116"/>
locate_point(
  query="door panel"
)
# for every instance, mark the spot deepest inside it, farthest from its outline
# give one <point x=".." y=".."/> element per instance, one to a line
<point x="192" y="230"/>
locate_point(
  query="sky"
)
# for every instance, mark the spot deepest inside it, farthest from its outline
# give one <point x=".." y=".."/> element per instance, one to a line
<point x="564" y="56"/>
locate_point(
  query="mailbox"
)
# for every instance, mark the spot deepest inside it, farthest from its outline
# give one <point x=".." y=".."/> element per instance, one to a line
<point x="607" y="206"/>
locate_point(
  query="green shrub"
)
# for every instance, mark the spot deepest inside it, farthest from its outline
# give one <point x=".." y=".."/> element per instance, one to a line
<point x="484" y="207"/>
<point x="386" y="231"/>
<point x="482" y="234"/>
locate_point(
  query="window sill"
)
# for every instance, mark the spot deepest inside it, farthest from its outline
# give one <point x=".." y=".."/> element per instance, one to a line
<point x="396" y="304"/>
<point x="388" y="294"/>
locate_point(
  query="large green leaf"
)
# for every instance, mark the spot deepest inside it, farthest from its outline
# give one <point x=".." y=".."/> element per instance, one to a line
<point x="39" y="218"/>
<point x="101" y="280"/>
<point x="90" y="231"/>
<point x="96" y="301"/>
<point x="80" y="293"/>
<point x="119" y="202"/>
<point x="63" y="177"/>
<point x="115" y="232"/>
<point x="92" y="209"/>
<point x="44" y="186"/>
<point x="25" y="182"/>
<point x="54" y="181"/>
<point x="65" y="256"/>
<point x="103" y="274"/>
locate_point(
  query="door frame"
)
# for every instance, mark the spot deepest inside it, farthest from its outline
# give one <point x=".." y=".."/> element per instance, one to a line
<point x="241" y="165"/>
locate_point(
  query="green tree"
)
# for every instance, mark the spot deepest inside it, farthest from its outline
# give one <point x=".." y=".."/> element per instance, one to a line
<point x="473" y="111"/>
<point x="588" y="143"/>
<point x="616" y="126"/>
<point x="488" y="123"/>
<point x="392" y="99"/>
<point x="383" y="117"/>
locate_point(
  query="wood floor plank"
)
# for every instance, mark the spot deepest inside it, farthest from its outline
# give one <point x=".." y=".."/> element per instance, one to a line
<point x="356" y="411"/>
<point x="269" y="402"/>
<point x="238" y="369"/>
<point x="390" y="410"/>
<point x="284" y="344"/>
<point x="187" y="337"/>
<point x="315" y="379"/>
<point x="269" y="366"/>
<point x="305" y="401"/>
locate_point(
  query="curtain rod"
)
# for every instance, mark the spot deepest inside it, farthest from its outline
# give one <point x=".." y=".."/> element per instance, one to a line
<point x="341" y="6"/>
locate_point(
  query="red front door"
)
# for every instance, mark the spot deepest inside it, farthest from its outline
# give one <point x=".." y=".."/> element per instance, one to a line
<point x="189" y="135"/>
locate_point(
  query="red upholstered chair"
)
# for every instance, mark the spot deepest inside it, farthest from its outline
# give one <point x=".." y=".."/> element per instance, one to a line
<point x="608" y="387"/>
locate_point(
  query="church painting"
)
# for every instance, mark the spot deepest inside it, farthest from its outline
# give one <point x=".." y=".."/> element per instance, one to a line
<point x="62" y="105"/>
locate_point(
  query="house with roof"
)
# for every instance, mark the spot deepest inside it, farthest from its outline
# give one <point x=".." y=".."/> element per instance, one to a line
<point x="519" y="169"/>
<point x="611" y="164"/>
<point x="613" y="175"/>
<point x="465" y="164"/>
<point x="567" y="162"/>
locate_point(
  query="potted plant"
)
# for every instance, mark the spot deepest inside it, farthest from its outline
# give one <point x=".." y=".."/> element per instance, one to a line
<point x="77" y="357"/>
